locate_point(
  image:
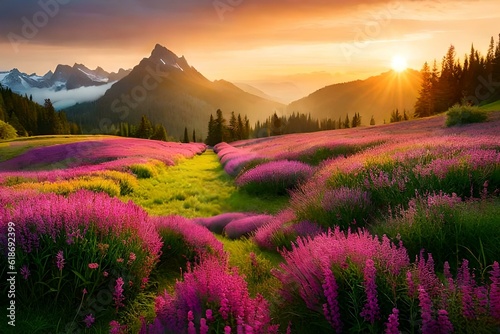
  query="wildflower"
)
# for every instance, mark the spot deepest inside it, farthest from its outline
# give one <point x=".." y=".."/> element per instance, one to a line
<point x="119" y="260"/>
<point x="84" y="291"/>
<point x="131" y="258"/>
<point x="331" y="308"/>
<point x="495" y="291"/>
<point x="105" y="273"/>
<point x="227" y="330"/>
<point x="116" y="328"/>
<point x="371" y="309"/>
<point x="392" y="326"/>
<point x="25" y="272"/>
<point x="93" y="265"/>
<point x="444" y="323"/>
<point x="428" y="323"/>
<point x="118" y="293"/>
<point x="60" y="260"/>
<point x="209" y="315"/>
<point x="89" y="320"/>
<point x="203" y="326"/>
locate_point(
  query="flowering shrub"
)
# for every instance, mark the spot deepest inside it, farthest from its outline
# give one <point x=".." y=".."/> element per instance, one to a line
<point x="184" y="240"/>
<point x="211" y="297"/>
<point x="341" y="279"/>
<point x="217" y="223"/>
<point x="358" y="283"/>
<point x="276" y="177"/>
<point x="447" y="227"/>
<point x="244" y="226"/>
<point x="83" y="241"/>
<point x="282" y="230"/>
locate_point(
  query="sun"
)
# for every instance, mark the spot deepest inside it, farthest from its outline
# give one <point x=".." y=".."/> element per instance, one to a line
<point x="399" y="63"/>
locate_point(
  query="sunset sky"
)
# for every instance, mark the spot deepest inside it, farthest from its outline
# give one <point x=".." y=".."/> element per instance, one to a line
<point x="317" y="42"/>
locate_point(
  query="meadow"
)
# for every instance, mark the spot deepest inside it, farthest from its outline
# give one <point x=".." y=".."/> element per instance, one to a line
<point x="386" y="229"/>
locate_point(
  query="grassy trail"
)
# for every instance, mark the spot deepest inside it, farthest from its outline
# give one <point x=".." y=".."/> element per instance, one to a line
<point x="198" y="187"/>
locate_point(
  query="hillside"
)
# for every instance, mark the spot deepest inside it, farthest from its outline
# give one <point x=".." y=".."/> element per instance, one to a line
<point x="169" y="91"/>
<point x="376" y="96"/>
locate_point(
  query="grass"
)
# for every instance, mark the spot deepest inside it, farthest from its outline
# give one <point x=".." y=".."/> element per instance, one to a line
<point x="198" y="187"/>
<point x="494" y="106"/>
<point x="14" y="147"/>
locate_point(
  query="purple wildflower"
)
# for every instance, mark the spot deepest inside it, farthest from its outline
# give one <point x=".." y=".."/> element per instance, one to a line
<point x="118" y="296"/>
<point x="443" y="322"/>
<point x="60" y="260"/>
<point x="495" y="291"/>
<point x="392" y="325"/>
<point x="25" y="272"/>
<point x="89" y="320"/>
<point x="428" y="323"/>
<point x="371" y="309"/>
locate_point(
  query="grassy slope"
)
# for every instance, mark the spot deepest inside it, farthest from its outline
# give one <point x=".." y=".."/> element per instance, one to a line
<point x="494" y="106"/>
<point x="197" y="187"/>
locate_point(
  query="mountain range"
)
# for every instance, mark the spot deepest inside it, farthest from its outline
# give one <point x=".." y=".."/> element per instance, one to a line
<point x="65" y="86"/>
<point x="169" y="91"/>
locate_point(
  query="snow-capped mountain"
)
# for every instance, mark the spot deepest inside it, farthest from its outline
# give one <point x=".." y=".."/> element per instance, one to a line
<point x="66" y="86"/>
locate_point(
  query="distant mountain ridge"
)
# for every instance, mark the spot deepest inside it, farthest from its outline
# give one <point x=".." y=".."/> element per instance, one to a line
<point x="64" y="77"/>
<point x="166" y="89"/>
<point x="66" y="86"/>
<point x="376" y="96"/>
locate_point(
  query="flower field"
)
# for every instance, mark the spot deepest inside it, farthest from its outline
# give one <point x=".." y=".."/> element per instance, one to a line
<point x="387" y="229"/>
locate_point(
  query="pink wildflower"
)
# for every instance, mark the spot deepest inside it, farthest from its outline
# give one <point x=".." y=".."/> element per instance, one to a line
<point x="393" y="322"/>
<point x="25" y="272"/>
<point x="89" y="320"/>
<point x="60" y="260"/>
<point x="227" y="330"/>
<point x="93" y="265"/>
<point x="371" y="309"/>
<point x="495" y="291"/>
<point x="118" y="293"/>
<point x="444" y="323"/>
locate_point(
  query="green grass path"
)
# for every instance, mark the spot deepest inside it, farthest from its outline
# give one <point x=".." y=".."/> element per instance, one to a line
<point x="198" y="187"/>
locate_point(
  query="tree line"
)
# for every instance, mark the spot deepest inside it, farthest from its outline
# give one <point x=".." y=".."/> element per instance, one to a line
<point x="301" y="123"/>
<point x="29" y="118"/>
<point x="474" y="81"/>
<point x="221" y="130"/>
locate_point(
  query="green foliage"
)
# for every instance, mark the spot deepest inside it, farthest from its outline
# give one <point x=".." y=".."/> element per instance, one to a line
<point x="7" y="131"/>
<point x="451" y="233"/>
<point x="144" y="171"/>
<point x="462" y="114"/>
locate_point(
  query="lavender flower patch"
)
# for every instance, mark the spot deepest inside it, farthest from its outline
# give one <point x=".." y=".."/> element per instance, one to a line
<point x="244" y="226"/>
<point x="276" y="177"/>
<point x="216" y="224"/>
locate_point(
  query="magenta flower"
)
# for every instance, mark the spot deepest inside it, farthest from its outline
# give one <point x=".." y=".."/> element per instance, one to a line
<point x="443" y="322"/>
<point x="227" y="330"/>
<point x="371" y="309"/>
<point x="93" y="265"/>
<point x="392" y="325"/>
<point x="428" y="323"/>
<point x="89" y="320"/>
<point x="25" y="272"/>
<point x="131" y="257"/>
<point x="495" y="291"/>
<point x="118" y="296"/>
<point x="60" y="260"/>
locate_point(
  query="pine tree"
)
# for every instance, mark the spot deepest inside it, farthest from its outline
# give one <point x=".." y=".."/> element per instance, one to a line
<point x="396" y="116"/>
<point x="240" y="128"/>
<point x="276" y="125"/>
<point x="211" y="131"/>
<point x="425" y="102"/>
<point x="220" y="128"/>
<point x="159" y="133"/>
<point x="232" y="129"/>
<point x="194" y="136"/>
<point x="372" y="121"/>
<point x="347" y="122"/>
<point x="185" y="140"/>
<point x="145" y="129"/>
